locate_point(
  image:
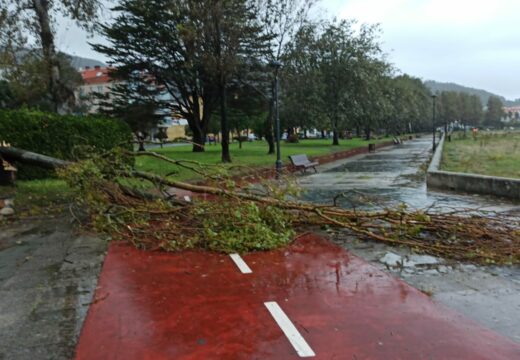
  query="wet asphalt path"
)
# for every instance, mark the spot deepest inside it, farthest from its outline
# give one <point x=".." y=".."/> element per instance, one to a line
<point x="48" y="274"/>
<point x="395" y="175"/>
<point x="389" y="177"/>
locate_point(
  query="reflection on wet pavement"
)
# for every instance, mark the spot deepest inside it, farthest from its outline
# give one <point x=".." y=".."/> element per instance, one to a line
<point x="198" y="305"/>
<point x="392" y="176"/>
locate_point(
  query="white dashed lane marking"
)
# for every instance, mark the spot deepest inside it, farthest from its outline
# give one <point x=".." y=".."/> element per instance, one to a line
<point x="241" y="264"/>
<point x="293" y="335"/>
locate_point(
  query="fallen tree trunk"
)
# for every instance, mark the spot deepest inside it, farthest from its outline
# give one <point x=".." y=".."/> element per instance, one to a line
<point x="30" y="158"/>
<point x="240" y="220"/>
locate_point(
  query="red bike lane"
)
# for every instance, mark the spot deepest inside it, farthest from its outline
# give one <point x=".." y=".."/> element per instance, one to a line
<point x="199" y="305"/>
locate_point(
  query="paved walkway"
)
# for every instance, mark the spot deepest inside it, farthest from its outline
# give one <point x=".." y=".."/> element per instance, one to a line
<point x="312" y="298"/>
<point x="391" y="176"/>
<point x="487" y="294"/>
<point x="48" y="274"/>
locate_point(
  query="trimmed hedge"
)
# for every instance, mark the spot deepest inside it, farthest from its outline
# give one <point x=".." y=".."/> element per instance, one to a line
<point x="66" y="137"/>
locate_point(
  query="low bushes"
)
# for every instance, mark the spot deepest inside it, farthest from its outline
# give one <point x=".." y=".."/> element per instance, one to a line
<point x="62" y="136"/>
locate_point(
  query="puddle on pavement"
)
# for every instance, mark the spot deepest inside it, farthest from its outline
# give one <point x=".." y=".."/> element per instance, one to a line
<point x="366" y="166"/>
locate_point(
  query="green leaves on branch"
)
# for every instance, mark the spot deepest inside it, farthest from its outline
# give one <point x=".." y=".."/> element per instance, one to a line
<point x="119" y="207"/>
<point x="247" y="227"/>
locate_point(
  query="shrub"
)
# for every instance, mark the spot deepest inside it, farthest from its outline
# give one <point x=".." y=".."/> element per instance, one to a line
<point x="293" y="139"/>
<point x="66" y="137"/>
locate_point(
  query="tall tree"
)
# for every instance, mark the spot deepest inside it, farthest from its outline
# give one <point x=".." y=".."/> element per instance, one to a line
<point x="235" y="38"/>
<point x="282" y="19"/>
<point x="6" y="95"/>
<point x="36" y="17"/>
<point x="136" y="101"/>
<point x="348" y="61"/>
<point x="168" y="41"/>
<point x="494" y="112"/>
<point x="192" y="48"/>
<point x="301" y="83"/>
<point x="28" y="81"/>
<point x="411" y="105"/>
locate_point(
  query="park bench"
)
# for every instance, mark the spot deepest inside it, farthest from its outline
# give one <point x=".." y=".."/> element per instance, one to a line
<point x="302" y="162"/>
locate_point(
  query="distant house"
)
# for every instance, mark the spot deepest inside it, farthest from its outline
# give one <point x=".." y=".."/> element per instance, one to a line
<point x="512" y="113"/>
<point x="174" y="128"/>
<point x="95" y="80"/>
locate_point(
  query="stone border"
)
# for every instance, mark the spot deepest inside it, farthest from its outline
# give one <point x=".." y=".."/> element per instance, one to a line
<point x="469" y="183"/>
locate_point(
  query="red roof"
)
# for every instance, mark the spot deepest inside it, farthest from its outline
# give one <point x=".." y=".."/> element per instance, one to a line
<point x="97" y="75"/>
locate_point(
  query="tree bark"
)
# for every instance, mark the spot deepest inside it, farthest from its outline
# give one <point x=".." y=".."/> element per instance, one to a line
<point x="335" y="137"/>
<point x="367" y="133"/>
<point x="239" y="137"/>
<point x="59" y="92"/>
<point x="199" y="139"/>
<point x="269" y="130"/>
<point x="30" y="158"/>
<point x="226" y="157"/>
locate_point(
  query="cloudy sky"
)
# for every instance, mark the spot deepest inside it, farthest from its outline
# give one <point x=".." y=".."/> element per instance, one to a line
<point x="471" y="42"/>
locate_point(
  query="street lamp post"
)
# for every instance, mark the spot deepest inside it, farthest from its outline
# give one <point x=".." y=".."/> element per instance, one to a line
<point x="434" y="97"/>
<point x="277" y="65"/>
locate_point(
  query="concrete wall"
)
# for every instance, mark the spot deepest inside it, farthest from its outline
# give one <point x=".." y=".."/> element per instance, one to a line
<point x="470" y="183"/>
<point x="176" y="131"/>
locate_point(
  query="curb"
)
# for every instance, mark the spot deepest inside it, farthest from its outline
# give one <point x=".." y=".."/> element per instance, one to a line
<point x="467" y="182"/>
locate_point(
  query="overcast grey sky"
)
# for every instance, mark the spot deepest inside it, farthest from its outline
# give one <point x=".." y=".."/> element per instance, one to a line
<point x="471" y="42"/>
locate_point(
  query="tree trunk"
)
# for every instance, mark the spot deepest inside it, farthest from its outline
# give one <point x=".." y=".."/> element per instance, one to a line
<point x="335" y="138"/>
<point x="323" y="134"/>
<point x="199" y="139"/>
<point x="140" y="140"/>
<point x="268" y="128"/>
<point x="239" y="137"/>
<point x="335" y="134"/>
<point x="226" y="157"/>
<point x="26" y="157"/>
<point x="59" y="93"/>
<point x="367" y="133"/>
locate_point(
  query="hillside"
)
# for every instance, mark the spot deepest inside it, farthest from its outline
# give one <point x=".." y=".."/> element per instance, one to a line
<point x="81" y="62"/>
<point x="76" y="61"/>
<point x="484" y="95"/>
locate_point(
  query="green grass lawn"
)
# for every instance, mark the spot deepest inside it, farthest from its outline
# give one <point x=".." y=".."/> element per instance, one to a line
<point x="252" y="154"/>
<point x="36" y="197"/>
<point x="494" y="154"/>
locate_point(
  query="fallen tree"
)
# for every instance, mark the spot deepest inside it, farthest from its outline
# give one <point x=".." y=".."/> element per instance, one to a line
<point x="13" y="154"/>
<point x="139" y="207"/>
